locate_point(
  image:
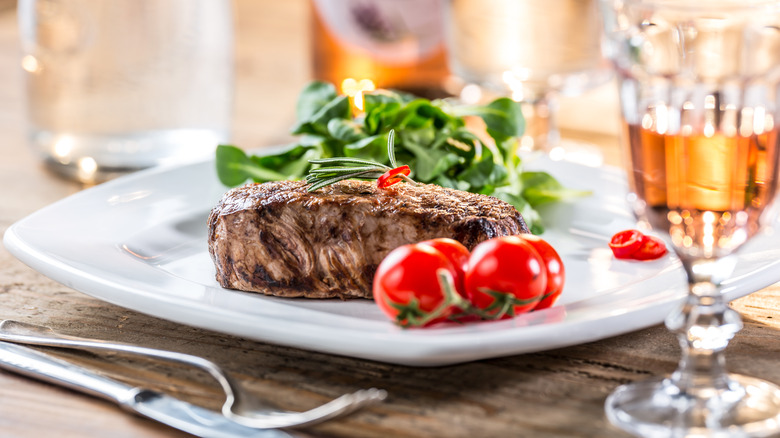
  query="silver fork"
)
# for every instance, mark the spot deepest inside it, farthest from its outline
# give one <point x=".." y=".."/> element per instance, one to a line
<point x="239" y="406"/>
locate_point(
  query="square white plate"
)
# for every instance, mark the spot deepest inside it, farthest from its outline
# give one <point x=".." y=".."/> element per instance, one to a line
<point x="140" y="242"/>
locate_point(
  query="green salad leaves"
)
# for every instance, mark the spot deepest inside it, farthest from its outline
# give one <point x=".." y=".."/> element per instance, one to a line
<point x="430" y="136"/>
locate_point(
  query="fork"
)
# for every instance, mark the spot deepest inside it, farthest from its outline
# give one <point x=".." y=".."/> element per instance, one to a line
<point x="239" y="406"/>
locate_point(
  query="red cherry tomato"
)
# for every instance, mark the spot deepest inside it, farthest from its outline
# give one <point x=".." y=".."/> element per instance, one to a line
<point x="456" y="253"/>
<point x="406" y="285"/>
<point x="651" y="249"/>
<point x="392" y="176"/>
<point x="556" y="274"/>
<point x="505" y="276"/>
<point x="625" y="243"/>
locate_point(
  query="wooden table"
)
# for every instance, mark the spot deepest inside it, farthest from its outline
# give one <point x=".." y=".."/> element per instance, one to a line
<point x="558" y="393"/>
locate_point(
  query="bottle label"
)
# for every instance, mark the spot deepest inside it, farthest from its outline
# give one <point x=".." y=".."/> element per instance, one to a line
<point x="391" y="31"/>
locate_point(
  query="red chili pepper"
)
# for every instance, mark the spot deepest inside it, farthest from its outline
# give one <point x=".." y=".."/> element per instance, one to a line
<point x="632" y="244"/>
<point x="392" y="176"/>
<point x="626" y="243"/>
<point x="651" y="249"/>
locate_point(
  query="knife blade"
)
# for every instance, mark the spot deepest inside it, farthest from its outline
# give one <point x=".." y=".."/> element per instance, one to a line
<point x="151" y="404"/>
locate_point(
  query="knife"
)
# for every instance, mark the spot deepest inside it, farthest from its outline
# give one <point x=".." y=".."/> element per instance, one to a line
<point x="151" y="404"/>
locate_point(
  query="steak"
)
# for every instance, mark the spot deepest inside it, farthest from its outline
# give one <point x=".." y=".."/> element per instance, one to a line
<point x="279" y="239"/>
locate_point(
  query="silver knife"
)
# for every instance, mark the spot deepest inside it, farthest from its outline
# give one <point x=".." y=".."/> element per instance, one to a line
<point x="151" y="404"/>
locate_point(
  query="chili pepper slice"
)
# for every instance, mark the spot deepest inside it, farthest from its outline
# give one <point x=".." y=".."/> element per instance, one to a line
<point x="625" y="243"/>
<point x="651" y="249"/>
<point x="392" y="176"/>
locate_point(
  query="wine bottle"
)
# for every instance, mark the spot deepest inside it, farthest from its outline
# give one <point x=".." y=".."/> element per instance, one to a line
<point x="394" y="44"/>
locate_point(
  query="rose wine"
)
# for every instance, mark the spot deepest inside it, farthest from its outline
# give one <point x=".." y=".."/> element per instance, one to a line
<point x="707" y="189"/>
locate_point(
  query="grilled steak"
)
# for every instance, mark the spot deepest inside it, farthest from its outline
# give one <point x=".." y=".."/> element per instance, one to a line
<point x="278" y="239"/>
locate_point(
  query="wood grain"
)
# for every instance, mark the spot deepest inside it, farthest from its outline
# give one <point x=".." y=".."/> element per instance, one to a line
<point x="558" y="393"/>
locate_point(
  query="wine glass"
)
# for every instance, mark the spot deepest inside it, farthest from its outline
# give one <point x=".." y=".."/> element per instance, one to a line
<point x="529" y="50"/>
<point x="699" y="89"/>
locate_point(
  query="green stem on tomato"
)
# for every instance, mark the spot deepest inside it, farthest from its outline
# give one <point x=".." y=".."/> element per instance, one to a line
<point x="451" y="295"/>
<point x="503" y="304"/>
<point x="410" y="314"/>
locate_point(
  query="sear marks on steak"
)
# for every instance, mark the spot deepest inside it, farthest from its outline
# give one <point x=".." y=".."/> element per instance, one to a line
<point x="278" y="239"/>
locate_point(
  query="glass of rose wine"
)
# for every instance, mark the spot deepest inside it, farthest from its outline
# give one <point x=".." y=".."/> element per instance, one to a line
<point x="699" y="87"/>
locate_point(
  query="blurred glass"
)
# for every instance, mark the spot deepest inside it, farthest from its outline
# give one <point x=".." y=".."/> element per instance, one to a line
<point x="120" y="85"/>
<point x="529" y="50"/>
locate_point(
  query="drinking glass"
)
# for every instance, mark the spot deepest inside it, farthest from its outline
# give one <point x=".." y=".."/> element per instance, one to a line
<point x="529" y="50"/>
<point x="121" y="85"/>
<point x="698" y="85"/>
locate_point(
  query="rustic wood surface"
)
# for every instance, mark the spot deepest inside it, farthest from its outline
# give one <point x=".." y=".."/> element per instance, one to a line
<point x="557" y="393"/>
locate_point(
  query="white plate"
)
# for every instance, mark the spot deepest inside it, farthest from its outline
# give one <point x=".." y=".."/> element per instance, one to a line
<point x="140" y="242"/>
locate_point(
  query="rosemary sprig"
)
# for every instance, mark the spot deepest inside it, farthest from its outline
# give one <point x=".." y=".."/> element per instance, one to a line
<point x="391" y="147"/>
<point x="319" y="181"/>
<point x="342" y="168"/>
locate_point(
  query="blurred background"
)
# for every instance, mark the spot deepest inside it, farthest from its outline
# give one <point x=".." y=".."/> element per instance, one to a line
<point x="268" y="80"/>
<point x="315" y="52"/>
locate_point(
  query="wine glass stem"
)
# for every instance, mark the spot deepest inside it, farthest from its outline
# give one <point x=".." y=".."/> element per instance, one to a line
<point x="704" y="325"/>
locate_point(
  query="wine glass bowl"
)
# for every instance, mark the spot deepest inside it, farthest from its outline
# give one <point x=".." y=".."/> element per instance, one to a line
<point x="699" y="88"/>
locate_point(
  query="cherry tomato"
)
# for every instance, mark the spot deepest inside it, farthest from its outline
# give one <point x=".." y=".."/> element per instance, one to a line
<point x="556" y="274"/>
<point x="651" y="249"/>
<point x="392" y="176"/>
<point x="625" y="243"/>
<point x="456" y="253"/>
<point x="505" y="276"/>
<point x="406" y="285"/>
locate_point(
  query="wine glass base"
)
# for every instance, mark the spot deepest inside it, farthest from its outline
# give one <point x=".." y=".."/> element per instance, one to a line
<point x="749" y="407"/>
